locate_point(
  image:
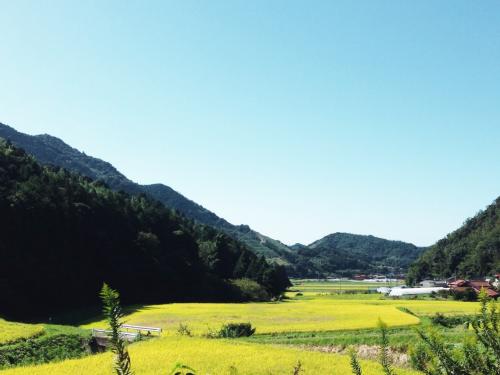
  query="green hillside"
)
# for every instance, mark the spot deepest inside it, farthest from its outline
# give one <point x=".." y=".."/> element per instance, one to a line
<point x="471" y="251"/>
<point x="339" y="253"/>
<point x="62" y="235"/>
<point x="53" y="151"/>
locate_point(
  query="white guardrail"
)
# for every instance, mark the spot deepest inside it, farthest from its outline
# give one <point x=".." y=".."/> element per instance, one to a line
<point x="129" y="336"/>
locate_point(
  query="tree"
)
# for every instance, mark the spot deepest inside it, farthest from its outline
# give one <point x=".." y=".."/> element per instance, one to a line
<point x="113" y="312"/>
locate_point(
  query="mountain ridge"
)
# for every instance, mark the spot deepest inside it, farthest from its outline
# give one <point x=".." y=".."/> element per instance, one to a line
<point x="63" y="234"/>
<point x="52" y="150"/>
<point x="472" y="250"/>
<point x="300" y="260"/>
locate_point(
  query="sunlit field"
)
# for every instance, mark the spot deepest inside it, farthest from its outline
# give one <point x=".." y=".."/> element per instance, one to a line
<point x="307" y="287"/>
<point x="308" y="319"/>
<point x="299" y="314"/>
<point x="10" y="331"/>
<point x="291" y="316"/>
<point x="208" y="357"/>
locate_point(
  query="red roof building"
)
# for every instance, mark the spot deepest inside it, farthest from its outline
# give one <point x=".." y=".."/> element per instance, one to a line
<point x="476" y="285"/>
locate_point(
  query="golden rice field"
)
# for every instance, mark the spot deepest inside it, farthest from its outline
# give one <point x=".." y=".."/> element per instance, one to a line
<point x="291" y="316"/>
<point x="208" y="357"/>
<point x="217" y="357"/>
<point x="321" y="313"/>
<point x="10" y="331"/>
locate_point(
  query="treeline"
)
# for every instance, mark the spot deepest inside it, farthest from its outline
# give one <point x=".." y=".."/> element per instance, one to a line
<point x="62" y="235"/>
<point x="471" y="251"/>
<point x="50" y="150"/>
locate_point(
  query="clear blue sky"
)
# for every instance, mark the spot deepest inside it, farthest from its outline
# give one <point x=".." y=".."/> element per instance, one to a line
<point x="297" y="118"/>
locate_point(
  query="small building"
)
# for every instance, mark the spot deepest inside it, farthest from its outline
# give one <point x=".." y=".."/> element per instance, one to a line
<point x="476" y="285"/>
<point x="359" y="277"/>
<point x="433" y="283"/>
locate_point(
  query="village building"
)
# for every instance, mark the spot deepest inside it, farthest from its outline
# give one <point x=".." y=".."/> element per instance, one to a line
<point x="433" y="283"/>
<point x="476" y="285"/>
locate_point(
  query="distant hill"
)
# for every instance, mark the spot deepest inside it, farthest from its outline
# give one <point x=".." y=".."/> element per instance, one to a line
<point x="471" y="251"/>
<point x="345" y="254"/>
<point x="51" y="150"/>
<point x="62" y="235"/>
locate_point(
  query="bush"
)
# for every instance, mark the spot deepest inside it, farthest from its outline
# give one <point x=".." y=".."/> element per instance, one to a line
<point x="468" y="295"/>
<point x="478" y="355"/>
<point x="234" y="330"/>
<point x="184" y="330"/>
<point x="449" y="321"/>
<point x="44" y="349"/>
<point x="251" y="290"/>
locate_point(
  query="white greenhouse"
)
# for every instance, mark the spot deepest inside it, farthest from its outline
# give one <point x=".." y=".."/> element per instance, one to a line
<point x="400" y="292"/>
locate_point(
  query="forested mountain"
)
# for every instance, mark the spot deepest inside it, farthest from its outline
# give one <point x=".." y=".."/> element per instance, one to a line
<point x="51" y="150"/>
<point x="345" y="254"/>
<point x="471" y="251"/>
<point x="335" y="254"/>
<point x="62" y="235"/>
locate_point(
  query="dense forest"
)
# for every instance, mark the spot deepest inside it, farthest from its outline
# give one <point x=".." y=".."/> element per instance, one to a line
<point x="50" y="150"/>
<point x="346" y="254"/>
<point x="62" y="235"/>
<point x="337" y="254"/>
<point x="471" y="251"/>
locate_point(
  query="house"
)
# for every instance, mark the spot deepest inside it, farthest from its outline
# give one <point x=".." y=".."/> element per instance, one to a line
<point x="476" y="285"/>
<point x="360" y="277"/>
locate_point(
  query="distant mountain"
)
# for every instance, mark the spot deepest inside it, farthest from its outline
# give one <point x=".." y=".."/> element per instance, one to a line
<point x="471" y="251"/>
<point x="345" y="254"/>
<point x="51" y="150"/>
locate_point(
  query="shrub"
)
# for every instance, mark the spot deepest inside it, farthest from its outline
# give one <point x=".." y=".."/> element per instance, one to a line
<point x="468" y="295"/>
<point x="184" y="330"/>
<point x="477" y="356"/>
<point x="449" y="321"/>
<point x="44" y="349"/>
<point x="251" y="290"/>
<point x="235" y="330"/>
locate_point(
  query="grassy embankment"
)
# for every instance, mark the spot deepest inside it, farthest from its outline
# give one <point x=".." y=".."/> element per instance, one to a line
<point x="40" y="343"/>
